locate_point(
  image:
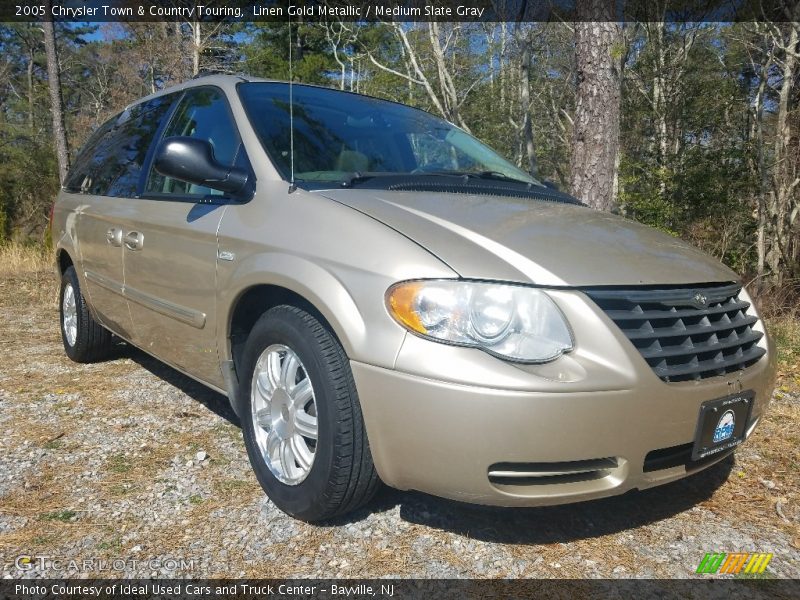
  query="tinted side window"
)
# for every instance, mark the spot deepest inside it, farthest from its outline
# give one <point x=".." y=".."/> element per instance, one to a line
<point x="117" y="164"/>
<point x="133" y="141"/>
<point x="82" y="163"/>
<point x="204" y="114"/>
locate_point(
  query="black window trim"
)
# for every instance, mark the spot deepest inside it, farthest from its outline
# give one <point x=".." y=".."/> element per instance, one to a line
<point x="189" y="198"/>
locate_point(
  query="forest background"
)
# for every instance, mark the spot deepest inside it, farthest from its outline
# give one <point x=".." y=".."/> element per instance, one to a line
<point x="691" y="127"/>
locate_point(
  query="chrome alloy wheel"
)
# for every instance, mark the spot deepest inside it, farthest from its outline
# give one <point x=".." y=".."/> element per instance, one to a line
<point x="284" y="414"/>
<point x="69" y="312"/>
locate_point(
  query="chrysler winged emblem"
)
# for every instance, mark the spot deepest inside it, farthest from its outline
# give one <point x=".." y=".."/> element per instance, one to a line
<point x="700" y="299"/>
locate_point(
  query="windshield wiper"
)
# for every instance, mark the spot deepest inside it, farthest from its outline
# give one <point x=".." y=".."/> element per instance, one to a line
<point x="492" y="175"/>
<point x="354" y="178"/>
<point x="500" y="176"/>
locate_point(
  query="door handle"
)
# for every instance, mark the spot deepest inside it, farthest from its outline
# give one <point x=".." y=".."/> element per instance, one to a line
<point x="114" y="236"/>
<point x="134" y="240"/>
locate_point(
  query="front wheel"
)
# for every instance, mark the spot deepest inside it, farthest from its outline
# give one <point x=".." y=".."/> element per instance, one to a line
<point x="302" y="420"/>
<point x="85" y="340"/>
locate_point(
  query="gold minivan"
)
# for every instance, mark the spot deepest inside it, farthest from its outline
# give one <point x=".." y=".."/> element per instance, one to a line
<point x="384" y="298"/>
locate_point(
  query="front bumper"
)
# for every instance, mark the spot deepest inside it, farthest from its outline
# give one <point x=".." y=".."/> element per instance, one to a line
<point x="475" y="429"/>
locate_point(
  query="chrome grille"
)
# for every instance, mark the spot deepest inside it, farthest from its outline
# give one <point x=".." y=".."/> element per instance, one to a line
<point x="686" y="334"/>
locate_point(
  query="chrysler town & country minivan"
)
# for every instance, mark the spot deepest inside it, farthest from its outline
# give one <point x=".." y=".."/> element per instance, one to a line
<point x="382" y="297"/>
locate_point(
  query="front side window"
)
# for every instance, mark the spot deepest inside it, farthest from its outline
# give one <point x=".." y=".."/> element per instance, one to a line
<point x="204" y="114"/>
<point x="337" y="135"/>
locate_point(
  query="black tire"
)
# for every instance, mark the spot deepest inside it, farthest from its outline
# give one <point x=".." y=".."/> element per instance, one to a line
<point x="342" y="477"/>
<point x="93" y="342"/>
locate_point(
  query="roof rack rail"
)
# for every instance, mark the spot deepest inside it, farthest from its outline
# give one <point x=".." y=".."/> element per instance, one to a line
<point x="207" y="72"/>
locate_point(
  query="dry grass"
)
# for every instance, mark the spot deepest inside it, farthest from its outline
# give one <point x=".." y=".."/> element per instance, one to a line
<point x="18" y="259"/>
<point x="27" y="277"/>
<point x="780" y="299"/>
<point x="785" y="332"/>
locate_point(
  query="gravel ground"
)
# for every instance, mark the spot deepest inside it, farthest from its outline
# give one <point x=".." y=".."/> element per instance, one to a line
<point x="130" y="460"/>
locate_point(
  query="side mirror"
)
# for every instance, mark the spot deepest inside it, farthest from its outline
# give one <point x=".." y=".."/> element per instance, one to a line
<point x="192" y="160"/>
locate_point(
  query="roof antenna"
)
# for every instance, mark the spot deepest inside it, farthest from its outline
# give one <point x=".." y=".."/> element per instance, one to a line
<point x="292" y="185"/>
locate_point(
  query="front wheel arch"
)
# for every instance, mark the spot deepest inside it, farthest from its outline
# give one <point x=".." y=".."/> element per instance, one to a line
<point x="64" y="260"/>
<point x="253" y="302"/>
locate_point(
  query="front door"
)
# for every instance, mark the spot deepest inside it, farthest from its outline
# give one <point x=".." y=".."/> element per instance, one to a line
<point x="171" y="257"/>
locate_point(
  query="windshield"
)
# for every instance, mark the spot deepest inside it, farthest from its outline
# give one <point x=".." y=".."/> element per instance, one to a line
<point x="338" y="135"/>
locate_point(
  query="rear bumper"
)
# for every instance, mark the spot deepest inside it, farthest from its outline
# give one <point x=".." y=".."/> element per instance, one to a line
<point x="445" y="438"/>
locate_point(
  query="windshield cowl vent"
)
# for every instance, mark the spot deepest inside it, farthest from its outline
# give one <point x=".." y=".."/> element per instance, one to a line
<point x="484" y="189"/>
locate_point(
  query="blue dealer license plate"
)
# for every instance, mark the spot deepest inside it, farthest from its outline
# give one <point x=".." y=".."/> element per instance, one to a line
<point x="722" y="424"/>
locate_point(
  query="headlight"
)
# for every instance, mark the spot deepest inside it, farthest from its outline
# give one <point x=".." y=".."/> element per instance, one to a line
<point x="512" y="322"/>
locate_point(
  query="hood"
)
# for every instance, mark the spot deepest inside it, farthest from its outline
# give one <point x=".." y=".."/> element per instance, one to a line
<point x="532" y="241"/>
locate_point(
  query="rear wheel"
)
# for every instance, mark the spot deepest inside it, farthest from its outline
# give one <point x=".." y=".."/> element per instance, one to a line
<point x="85" y="340"/>
<point x="302" y="420"/>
